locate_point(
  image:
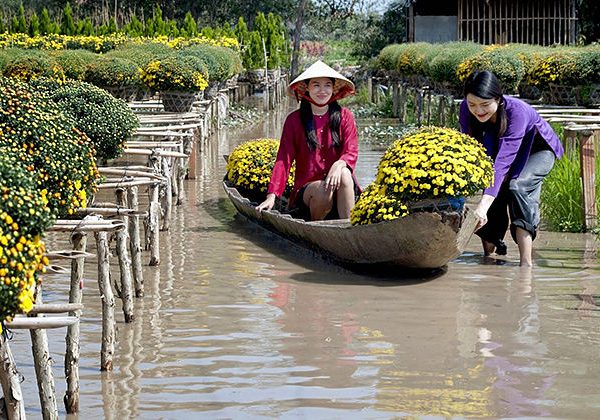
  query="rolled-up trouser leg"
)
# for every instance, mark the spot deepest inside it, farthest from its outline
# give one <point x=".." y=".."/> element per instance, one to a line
<point x="524" y="202"/>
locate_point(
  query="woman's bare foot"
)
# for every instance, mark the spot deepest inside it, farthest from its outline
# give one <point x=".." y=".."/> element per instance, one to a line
<point x="488" y="247"/>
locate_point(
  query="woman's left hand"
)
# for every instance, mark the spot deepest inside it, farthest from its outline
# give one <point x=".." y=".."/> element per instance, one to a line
<point x="334" y="177"/>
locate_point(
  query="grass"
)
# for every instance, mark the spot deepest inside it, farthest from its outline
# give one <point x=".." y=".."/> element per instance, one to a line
<point x="562" y="195"/>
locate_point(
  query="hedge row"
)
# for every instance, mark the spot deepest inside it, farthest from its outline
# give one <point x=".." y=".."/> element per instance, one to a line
<point x="515" y="64"/>
<point x="131" y="64"/>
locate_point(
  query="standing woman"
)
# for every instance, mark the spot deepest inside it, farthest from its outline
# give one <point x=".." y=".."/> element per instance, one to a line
<point x="321" y="138"/>
<point x="523" y="147"/>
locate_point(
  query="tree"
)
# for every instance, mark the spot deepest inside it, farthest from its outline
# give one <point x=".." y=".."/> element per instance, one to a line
<point x="190" y="27"/>
<point x="20" y="22"/>
<point x="340" y="9"/>
<point x="297" y="37"/>
<point x="34" y="25"/>
<point x="67" y="25"/>
<point x="589" y="20"/>
<point x="46" y="26"/>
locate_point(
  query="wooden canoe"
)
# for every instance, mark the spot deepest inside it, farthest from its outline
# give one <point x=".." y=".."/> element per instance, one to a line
<point x="421" y="240"/>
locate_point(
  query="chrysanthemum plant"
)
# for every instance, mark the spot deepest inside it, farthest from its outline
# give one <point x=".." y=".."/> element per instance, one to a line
<point x="250" y="164"/>
<point x="431" y="163"/>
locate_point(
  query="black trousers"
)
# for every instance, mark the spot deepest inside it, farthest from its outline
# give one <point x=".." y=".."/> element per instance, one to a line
<point x="518" y="201"/>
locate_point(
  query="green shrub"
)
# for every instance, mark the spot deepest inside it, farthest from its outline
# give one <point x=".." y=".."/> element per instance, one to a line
<point x="180" y="73"/>
<point x="507" y="67"/>
<point x="587" y="65"/>
<point x="46" y="143"/>
<point x="222" y="63"/>
<point x="74" y="62"/>
<point x="23" y="218"/>
<point x="558" y="67"/>
<point x="412" y="58"/>
<point x="109" y="71"/>
<point x="28" y="64"/>
<point x="107" y="121"/>
<point x="443" y="67"/>
<point x="141" y="53"/>
<point x="388" y="57"/>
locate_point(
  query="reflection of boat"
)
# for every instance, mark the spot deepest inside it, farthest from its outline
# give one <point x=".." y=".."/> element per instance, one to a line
<point x="422" y="239"/>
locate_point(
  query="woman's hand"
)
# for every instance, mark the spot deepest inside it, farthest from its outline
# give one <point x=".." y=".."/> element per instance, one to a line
<point x="334" y="177"/>
<point x="267" y="204"/>
<point x="482" y="209"/>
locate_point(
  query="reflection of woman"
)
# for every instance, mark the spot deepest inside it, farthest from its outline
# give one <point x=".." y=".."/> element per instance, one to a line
<point x="321" y="139"/>
<point x="523" y="147"/>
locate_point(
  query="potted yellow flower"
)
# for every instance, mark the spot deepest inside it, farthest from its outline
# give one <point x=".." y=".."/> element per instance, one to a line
<point x="249" y="168"/>
<point x="179" y="79"/>
<point x="433" y="168"/>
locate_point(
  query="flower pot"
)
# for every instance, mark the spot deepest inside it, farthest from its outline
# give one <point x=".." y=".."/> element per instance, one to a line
<point x="127" y="93"/>
<point x="527" y="91"/>
<point x="560" y="95"/>
<point x="273" y="75"/>
<point x="178" y="101"/>
<point x="588" y="95"/>
<point x="256" y="76"/>
<point x="232" y="81"/>
<point x="212" y="90"/>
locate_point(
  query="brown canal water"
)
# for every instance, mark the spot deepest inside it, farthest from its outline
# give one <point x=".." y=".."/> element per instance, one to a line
<point x="238" y="323"/>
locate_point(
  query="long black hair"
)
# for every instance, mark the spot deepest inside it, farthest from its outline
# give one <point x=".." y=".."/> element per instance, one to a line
<point x="335" y="120"/>
<point x="484" y="84"/>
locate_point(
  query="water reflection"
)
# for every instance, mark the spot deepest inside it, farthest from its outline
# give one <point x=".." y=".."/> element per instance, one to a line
<point x="238" y="323"/>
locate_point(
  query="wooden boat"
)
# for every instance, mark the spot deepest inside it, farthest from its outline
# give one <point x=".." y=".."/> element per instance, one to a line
<point x="421" y="240"/>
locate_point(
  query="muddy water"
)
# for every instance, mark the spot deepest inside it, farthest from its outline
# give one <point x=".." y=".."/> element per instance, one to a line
<point x="237" y="323"/>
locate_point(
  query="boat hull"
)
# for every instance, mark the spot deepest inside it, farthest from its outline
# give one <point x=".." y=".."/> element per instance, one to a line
<point x="419" y="240"/>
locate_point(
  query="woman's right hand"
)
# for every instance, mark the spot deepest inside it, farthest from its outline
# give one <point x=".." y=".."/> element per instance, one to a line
<point x="267" y="204"/>
<point x="482" y="209"/>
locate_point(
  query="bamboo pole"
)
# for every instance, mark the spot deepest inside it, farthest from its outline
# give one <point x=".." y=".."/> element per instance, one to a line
<point x="108" y="303"/>
<point x="124" y="261"/>
<point x="134" y="243"/>
<point x="67" y="255"/>
<point x="10" y="379"/>
<point x="167" y="204"/>
<point x="117" y="211"/>
<point x="128" y="172"/>
<point x="41" y="359"/>
<point x="55" y="308"/>
<point x="152" y="226"/>
<point x="137" y="183"/>
<point x="40" y="324"/>
<point x="71" y="398"/>
<point x="146" y="152"/>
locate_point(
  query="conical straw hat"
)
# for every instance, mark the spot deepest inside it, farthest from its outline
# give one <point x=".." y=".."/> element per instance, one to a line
<point x="342" y="87"/>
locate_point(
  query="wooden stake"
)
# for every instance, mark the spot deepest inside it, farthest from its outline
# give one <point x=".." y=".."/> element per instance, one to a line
<point x="108" y="303"/>
<point x="43" y="366"/>
<point x="134" y="243"/>
<point x="125" y="260"/>
<point x="71" y="398"/>
<point x="10" y="379"/>
<point x="588" y="178"/>
<point x="168" y="194"/>
<point x="152" y="227"/>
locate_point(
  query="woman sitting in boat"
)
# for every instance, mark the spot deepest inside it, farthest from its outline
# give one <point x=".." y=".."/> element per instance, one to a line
<point x="523" y="147"/>
<point x="322" y="140"/>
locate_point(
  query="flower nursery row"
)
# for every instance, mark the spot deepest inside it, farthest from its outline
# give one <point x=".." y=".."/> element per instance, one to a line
<point x="51" y="136"/>
<point x="268" y="34"/>
<point x="129" y="68"/>
<point x="559" y="75"/>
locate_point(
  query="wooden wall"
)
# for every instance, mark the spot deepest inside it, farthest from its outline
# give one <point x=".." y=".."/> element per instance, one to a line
<point x="543" y="22"/>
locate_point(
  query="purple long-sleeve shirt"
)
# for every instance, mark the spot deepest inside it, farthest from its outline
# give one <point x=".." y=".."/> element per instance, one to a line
<point x="511" y="151"/>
